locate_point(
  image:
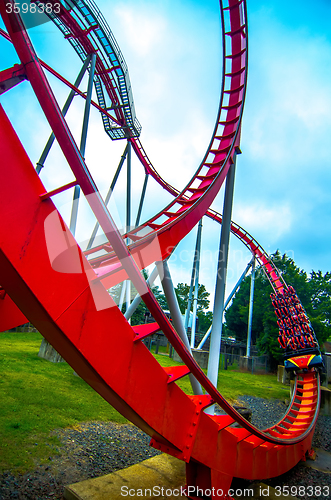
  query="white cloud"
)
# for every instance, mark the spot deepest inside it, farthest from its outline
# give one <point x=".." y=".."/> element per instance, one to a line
<point x="145" y="31"/>
<point x="288" y="108"/>
<point x="271" y="221"/>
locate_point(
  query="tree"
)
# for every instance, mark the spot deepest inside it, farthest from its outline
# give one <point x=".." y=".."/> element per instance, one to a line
<point x="319" y="309"/>
<point x="236" y="316"/>
<point x="204" y="321"/>
<point x="182" y="292"/>
<point x="313" y="291"/>
<point x="139" y="315"/>
<point x="204" y="318"/>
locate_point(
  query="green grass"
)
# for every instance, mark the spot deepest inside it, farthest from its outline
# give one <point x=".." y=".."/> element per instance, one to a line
<point x="232" y="384"/>
<point x="36" y="397"/>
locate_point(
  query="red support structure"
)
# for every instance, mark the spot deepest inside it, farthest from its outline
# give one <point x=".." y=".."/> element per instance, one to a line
<point x="11" y="77"/>
<point x="46" y="278"/>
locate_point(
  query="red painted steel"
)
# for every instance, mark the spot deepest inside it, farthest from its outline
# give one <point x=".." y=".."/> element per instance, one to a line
<point x="11" y="77"/>
<point x="193" y="202"/>
<point x="11" y="316"/>
<point x="27" y="287"/>
<point x="65" y="81"/>
<point x="77" y="316"/>
<point x="244" y="236"/>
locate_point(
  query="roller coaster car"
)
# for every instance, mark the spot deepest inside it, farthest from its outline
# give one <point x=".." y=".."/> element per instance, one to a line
<point x="303" y="360"/>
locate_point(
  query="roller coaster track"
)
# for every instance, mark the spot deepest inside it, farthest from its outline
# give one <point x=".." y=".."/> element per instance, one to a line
<point x="77" y="316"/>
<point x="247" y="239"/>
<point x="77" y="33"/>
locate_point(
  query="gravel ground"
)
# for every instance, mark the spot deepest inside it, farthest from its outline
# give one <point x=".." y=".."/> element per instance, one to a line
<point x="264" y="413"/>
<point x="89" y="450"/>
<point x="97" y="448"/>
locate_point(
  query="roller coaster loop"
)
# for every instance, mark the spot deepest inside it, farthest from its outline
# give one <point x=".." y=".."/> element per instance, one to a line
<point x="47" y="278"/>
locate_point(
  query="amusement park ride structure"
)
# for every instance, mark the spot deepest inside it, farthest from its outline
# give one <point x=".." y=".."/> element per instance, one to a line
<point x="62" y="290"/>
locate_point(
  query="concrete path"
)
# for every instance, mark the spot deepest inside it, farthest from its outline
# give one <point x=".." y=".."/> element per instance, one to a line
<point x="162" y="471"/>
<point x="161" y="477"/>
<point x="322" y="461"/>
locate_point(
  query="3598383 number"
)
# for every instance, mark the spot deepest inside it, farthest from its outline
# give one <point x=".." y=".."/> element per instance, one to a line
<point x="300" y="491"/>
<point x="33" y="8"/>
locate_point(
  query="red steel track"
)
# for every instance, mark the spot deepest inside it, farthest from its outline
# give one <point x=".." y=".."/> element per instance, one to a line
<point x="76" y="315"/>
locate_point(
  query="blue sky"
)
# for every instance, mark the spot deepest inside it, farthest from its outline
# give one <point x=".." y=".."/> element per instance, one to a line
<point x="172" y="48"/>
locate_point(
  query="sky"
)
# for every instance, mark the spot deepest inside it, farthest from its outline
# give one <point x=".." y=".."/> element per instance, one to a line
<point x="173" y="51"/>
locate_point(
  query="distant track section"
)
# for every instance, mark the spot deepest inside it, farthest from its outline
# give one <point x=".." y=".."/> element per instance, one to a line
<point x="83" y="25"/>
<point x="172" y="223"/>
<point x="47" y="275"/>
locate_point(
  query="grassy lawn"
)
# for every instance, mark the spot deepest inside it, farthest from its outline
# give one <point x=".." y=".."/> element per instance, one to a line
<point x="37" y="396"/>
<point x="232" y="384"/>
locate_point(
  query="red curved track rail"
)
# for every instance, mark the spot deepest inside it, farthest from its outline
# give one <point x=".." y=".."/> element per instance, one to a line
<point x="247" y="239"/>
<point x="76" y="315"/>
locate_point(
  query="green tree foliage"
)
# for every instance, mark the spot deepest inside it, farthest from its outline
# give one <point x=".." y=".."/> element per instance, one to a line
<point x="314" y="291"/>
<point x="139" y="315"/>
<point x="204" y="318"/>
<point x="182" y="293"/>
<point x="320" y="303"/>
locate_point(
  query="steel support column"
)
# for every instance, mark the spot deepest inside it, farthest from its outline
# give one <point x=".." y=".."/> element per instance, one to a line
<point x="120" y="304"/>
<point x="49" y="144"/>
<point x="128" y="216"/>
<point x="136" y="301"/>
<point x="111" y="189"/>
<point x="142" y="198"/>
<point x="189" y="300"/>
<point x="87" y="106"/>
<point x="250" y="313"/>
<point x="176" y="316"/>
<point x="74" y="210"/>
<point x="46" y="98"/>
<point x="196" y="265"/>
<point x="235" y="288"/>
<point x="128" y="188"/>
<point x="216" y="332"/>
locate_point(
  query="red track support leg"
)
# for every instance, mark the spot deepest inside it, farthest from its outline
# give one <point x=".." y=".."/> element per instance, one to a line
<point x="311" y="454"/>
<point x="221" y="485"/>
<point x="206" y="483"/>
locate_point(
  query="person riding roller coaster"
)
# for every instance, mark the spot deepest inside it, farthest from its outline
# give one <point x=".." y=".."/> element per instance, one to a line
<point x="296" y="335"/>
